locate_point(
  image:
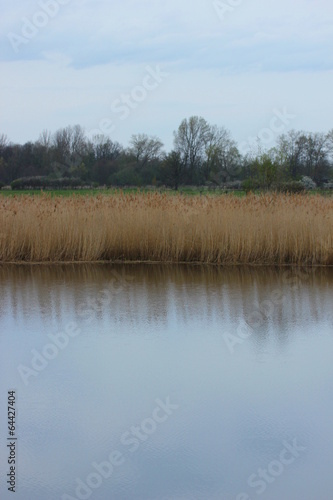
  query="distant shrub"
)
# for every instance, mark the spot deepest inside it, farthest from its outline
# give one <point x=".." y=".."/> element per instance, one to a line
<point x="2" y="185"/>
<point x="289" y="187"/>
<point x="250" y="185"/>
<point x="234" y="185"/>
<point x="126" y="177"/>
<point x="41" y="182"/>
<point x="308" y="183"/>
<point x="22" y="183"/>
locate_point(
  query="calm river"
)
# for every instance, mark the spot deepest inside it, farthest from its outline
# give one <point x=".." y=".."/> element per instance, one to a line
<point x="151" y="382"/>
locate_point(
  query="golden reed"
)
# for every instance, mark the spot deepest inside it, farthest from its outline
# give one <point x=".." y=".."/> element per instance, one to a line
<point x="256" y="229"/>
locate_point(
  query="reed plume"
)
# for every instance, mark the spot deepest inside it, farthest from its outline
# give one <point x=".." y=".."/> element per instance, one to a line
<point x="271" y="228"/>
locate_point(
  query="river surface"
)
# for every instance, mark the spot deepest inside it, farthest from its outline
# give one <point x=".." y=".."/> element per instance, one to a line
<point x="151" y="382"/>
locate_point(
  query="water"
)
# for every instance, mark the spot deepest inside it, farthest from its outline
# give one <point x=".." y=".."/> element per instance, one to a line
<point x="169" y="383"/>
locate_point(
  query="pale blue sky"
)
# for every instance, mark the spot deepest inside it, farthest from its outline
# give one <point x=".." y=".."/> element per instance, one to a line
<point x="234" y="62"/>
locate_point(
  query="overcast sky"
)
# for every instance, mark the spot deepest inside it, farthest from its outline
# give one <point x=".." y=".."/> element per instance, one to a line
<point x="121" y="67"/>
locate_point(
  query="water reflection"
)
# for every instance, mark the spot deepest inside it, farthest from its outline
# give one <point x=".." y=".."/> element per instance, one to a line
<point x="148" y="332"/>
<point x="162" y="295"/>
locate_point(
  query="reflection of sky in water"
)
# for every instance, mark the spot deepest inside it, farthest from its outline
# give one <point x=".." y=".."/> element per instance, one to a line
<point x="162" y="335"/>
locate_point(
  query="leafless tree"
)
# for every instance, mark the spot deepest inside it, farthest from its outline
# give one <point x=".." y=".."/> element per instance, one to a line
<point x="145" y="149"/>
<point x="190" y="141"/>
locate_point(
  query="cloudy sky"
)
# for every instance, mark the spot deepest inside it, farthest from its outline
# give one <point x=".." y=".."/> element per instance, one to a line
<point x="122" y="67"/>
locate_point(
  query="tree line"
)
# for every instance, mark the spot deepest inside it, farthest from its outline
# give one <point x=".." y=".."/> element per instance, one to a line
<point x="202" y="154"/>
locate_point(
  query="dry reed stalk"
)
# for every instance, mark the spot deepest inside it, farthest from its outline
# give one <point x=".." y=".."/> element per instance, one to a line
<point x="266" y="229"/>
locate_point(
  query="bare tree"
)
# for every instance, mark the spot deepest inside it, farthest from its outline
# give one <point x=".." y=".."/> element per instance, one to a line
<point x="78" y="141"/>
<point x="69" y="146"/>
<point x="104" y="148"/>
<point x="222" y="161"/>
<point x="317" y="156"/>
<point x="291" y="150"/>
<point x="45" y="139"/>
<point x="190" y="141"/>
<point x="145" y="149"/>
<point x="4" y="142"/>
<point x="302" y="153"/>
<point x="330" y="140"/>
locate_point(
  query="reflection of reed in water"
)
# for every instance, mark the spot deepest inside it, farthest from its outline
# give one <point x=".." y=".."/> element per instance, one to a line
<point x="144" y="293"/>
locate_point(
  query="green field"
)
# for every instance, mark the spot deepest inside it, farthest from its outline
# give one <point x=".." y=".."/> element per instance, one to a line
<point x="57" y="192"/>
<point x="114" y="191"/>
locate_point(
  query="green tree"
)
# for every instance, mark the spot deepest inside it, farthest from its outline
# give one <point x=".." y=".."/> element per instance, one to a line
<point x="173" y="169"/>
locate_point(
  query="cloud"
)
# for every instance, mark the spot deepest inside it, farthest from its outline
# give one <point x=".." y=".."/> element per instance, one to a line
<point x="99" y="32"/>
<point x="91" y="51"/>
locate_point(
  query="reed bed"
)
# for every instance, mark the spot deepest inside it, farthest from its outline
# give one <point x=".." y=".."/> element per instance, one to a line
<point x="272" y="229"/>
